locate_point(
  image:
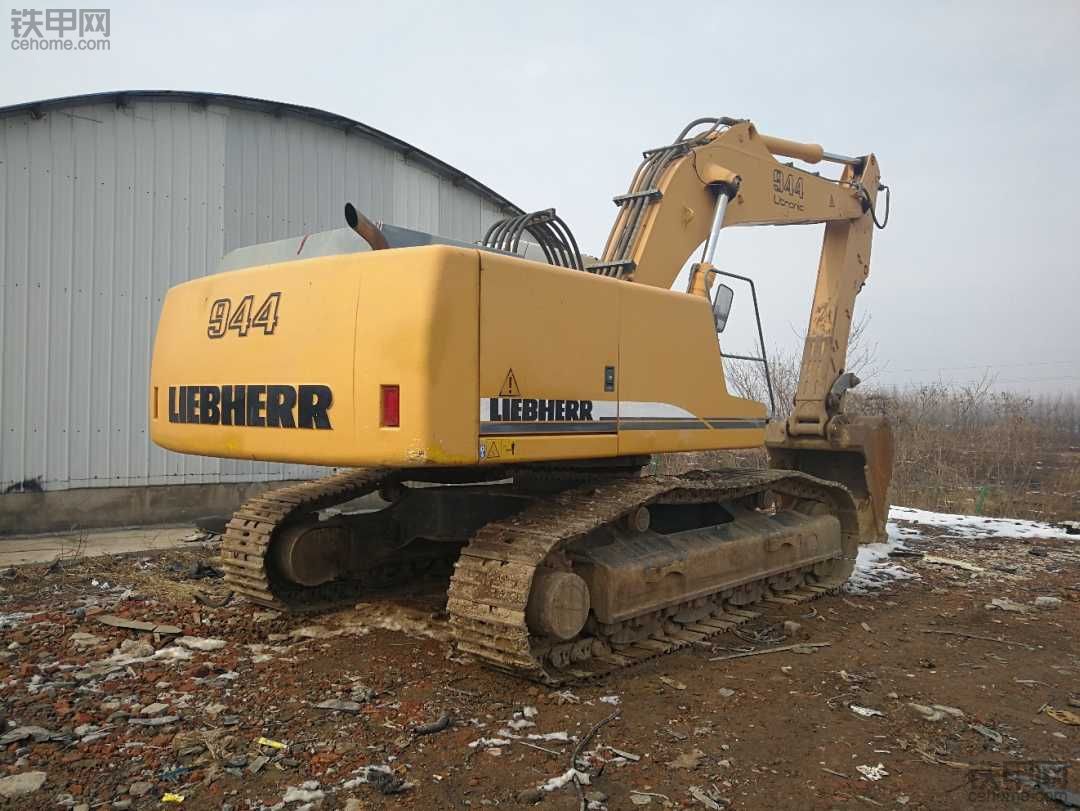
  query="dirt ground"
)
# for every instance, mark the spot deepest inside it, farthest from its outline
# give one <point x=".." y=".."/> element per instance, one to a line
<point x="921" y="694"/>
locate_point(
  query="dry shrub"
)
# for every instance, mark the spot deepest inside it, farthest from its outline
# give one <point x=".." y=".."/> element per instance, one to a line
<point x="971" y="449"/>
<point x="959" y="448"/>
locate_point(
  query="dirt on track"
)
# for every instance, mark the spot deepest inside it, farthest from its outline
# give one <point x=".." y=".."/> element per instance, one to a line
<point x="770" y="730"/>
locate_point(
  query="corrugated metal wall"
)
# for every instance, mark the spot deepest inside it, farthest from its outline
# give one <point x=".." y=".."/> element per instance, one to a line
<point x="103" y="208"/>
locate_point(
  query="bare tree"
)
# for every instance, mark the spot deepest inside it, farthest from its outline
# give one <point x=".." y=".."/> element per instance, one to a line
<point x="747" y="378"/>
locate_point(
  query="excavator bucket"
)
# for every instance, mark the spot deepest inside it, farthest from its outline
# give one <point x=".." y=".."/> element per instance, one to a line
<point x="858" y="453"/>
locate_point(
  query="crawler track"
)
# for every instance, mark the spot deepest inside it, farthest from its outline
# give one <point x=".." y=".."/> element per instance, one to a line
<point x="490" y="588"/>
<point x="246" y="543"/>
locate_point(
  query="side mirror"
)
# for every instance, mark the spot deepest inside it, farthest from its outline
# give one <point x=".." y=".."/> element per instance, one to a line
<point x="721" y="306"/>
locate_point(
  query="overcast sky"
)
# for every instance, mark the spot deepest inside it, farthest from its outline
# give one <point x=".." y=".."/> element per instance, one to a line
<point x="973" y="110"/>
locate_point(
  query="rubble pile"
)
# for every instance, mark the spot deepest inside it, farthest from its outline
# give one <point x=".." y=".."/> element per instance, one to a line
<point x="139" y="683"/>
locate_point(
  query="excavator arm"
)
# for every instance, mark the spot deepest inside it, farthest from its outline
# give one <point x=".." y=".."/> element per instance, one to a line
<point x="683" y="194"/>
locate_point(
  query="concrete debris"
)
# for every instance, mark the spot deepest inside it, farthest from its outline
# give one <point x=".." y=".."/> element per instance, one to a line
<point x="710" y="798"/>
<point x="613" y="700"/>
<point x="140" y="788"/>
<point x="157" y="708"/>
<point x="338" y="705"/>
<point x="1047" y="602"/>
<point x="559" y="781"/>
<point x="173" y="653"/>
<point x="84" y="640"/>
<point x="136" y="648"/>
<point x="306" y="793"/>
<point x="362" y="693"/>
<point x="1005" y="604"/>
<point x="551" y="737"/>
<point x="489" y="743"/>
<point x="646" y="797"/>
<point x="987" y="732"/>
<point x="382" y="777"/>
<point x="19" y="785"/>
<point x="160" y="721"/>
<point x="953" y="711"/>
<point x="199" y="643"/>
<point x="935" y="712"/>
<point x="872" y="773"/>
<point x="865" y="712"/>
<point x="36" y="734"/>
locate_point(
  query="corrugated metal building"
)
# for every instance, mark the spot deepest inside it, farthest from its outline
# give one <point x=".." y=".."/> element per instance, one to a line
<point x="107" y="200"/>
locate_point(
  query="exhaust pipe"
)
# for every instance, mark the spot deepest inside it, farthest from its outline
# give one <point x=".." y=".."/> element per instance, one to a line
<point x="368" y="230"/>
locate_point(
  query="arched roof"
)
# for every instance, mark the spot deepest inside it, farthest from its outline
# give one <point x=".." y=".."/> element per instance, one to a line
<point x="277" y="108"/>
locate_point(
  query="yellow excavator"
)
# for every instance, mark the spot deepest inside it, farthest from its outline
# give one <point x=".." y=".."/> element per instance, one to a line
<point x="505" y="398"/>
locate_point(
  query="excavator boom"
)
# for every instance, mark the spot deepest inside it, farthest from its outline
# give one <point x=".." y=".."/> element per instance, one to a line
<point x="728" y="175"/>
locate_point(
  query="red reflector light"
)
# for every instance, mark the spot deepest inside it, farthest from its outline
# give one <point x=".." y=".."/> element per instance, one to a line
<point x="390" y="412"/>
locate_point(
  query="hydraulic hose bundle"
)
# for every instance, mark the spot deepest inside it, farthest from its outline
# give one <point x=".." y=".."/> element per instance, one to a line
<point x="546" y="228"/>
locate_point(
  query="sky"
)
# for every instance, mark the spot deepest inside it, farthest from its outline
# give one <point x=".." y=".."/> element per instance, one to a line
<point x="971" y="108"/>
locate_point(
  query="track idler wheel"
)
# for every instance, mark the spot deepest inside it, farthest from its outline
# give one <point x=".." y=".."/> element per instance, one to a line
<point x="558" y="604"/>
<point x="310" y="556"/>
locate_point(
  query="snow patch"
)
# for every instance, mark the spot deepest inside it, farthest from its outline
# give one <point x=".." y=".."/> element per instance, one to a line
<point x="874" y="569"/>
<point x="976" y="526"/>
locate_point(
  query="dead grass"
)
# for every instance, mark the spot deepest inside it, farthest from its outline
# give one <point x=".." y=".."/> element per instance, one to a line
<point x="159" y="575"/>
<point x="970" y="449"/>
<point x="959" y="448"/>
